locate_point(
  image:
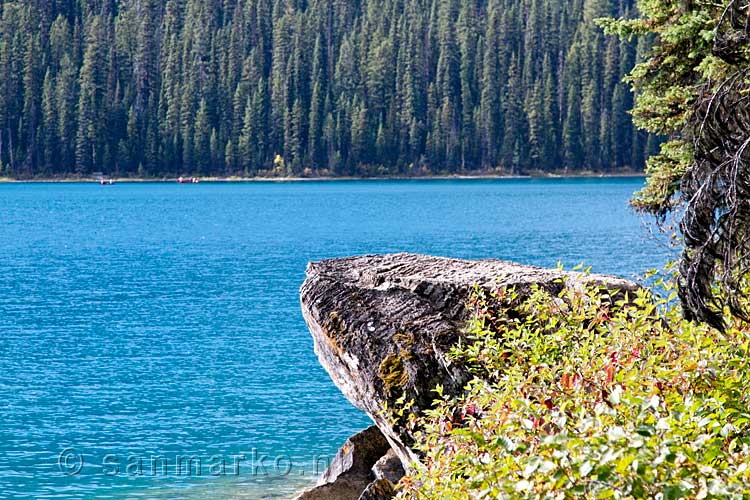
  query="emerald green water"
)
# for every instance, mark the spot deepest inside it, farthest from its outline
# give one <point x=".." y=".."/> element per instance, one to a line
<point x="159" y="320"/>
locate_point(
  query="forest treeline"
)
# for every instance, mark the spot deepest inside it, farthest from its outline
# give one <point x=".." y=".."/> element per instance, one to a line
<point x="314" y="87"/>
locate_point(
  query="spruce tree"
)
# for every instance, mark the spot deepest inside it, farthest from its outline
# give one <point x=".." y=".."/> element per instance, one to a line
<point x="387" y="86"/>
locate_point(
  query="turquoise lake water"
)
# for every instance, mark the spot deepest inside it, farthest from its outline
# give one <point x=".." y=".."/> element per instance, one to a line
<point x="144" y="323"/>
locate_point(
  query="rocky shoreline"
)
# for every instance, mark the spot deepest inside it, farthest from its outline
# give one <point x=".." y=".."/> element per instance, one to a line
<point x="382" y="327"/>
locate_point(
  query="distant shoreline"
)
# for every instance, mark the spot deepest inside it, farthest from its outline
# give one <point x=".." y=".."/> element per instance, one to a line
<point x="215" y="179"/>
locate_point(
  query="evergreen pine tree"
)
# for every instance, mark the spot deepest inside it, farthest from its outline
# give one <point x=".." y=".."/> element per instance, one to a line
<point x="388" y="86"/>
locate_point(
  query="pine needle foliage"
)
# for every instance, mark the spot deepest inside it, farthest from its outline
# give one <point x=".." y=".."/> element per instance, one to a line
<point x="694" y="87"/>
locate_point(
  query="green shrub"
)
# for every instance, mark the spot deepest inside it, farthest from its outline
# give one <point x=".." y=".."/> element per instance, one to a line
<point x="575" y="397"/>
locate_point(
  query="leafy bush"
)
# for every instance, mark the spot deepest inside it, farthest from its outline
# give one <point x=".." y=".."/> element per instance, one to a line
<point x="578" y="397"/>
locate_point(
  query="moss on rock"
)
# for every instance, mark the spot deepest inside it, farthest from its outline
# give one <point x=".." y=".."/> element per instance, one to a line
<point x="392" y="372"/>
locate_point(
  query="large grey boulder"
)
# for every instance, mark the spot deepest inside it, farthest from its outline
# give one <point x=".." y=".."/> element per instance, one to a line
<point x="387" y="472"/>
<point x="382" y="325"/>
<point x="389" y="468"/>
<point x="351" y="471"/>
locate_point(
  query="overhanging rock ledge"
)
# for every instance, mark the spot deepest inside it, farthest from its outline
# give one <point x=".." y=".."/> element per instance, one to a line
<point x="383" y="324"/>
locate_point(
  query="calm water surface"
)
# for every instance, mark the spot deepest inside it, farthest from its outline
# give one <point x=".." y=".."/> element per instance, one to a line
<point x="159" y="320"/>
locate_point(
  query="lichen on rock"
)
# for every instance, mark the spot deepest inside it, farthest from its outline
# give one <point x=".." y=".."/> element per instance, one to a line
<point x="392" y="373"/>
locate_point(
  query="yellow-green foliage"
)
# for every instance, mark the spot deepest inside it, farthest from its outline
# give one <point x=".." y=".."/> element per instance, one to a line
<point x="582" y="399"/>
<point x="391" y="371"/>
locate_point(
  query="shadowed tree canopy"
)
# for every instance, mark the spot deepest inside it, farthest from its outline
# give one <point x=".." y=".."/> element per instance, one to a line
<point x="695" y="87"/>
<point x="332" y="87"/>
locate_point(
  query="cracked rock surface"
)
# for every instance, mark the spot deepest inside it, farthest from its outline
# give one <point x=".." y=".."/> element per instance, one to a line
<point x="382" y="325"/>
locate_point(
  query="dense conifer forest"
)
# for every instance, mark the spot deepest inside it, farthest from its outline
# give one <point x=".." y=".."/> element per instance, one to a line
<point x="314" y="87"/>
